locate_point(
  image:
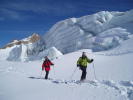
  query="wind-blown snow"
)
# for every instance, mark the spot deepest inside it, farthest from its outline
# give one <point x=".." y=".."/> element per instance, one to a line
<point x="100" y="31"/>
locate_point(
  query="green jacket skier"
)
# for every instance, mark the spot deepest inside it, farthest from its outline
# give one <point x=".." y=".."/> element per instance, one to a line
<point x="82" y="64"/>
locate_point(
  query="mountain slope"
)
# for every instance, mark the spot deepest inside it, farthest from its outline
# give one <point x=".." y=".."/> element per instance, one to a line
<point x="21" y="50"/>
<point x="28" y="49"/>
<point x="31" y="39"/>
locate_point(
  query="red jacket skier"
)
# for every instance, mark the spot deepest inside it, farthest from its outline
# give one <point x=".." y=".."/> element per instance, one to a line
<point x="46" y="65"/>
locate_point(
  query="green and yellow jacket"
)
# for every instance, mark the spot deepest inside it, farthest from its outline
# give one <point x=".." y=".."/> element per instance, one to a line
<point x="82" y="61"/>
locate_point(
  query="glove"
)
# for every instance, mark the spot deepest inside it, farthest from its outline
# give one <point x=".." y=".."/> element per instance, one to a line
<point x="91" y="60"/>
<point x="78" y="65"/>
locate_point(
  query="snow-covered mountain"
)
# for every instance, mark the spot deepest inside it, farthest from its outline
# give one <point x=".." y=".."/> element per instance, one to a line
<point x="31" y="39"/>
<point x="19" y="50"/>
<point x="31" y="48"/>
<point x="101" y="31"/>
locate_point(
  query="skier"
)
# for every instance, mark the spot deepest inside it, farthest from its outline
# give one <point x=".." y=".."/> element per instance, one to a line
<point x="46" y="65"/>
<point x="82" y="64"/>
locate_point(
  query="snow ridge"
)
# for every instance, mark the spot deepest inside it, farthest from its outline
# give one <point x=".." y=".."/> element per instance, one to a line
<point x="100" y="31"/>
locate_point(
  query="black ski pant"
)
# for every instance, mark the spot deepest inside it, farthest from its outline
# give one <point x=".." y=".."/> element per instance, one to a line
<point x="46" y="75"/>
<point x="83" y="69"/>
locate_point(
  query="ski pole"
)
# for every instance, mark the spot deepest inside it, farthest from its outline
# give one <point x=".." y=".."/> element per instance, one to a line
<point x="94" y="71"/>
<point x="41" y="74"/>
<point x="94" y="68"/>
<point x="73" y="73"/>
<point x="53" y="70"/>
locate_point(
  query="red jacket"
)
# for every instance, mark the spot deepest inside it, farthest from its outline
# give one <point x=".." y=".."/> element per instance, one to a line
<point x="46" y="64"/>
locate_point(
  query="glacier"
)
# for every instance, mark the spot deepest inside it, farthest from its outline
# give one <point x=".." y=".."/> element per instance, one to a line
<point x="101" y="31"/>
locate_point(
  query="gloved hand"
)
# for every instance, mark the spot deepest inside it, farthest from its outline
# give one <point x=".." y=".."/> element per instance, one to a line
<point x="92" y="60"/>
<point x="78" y="65"/>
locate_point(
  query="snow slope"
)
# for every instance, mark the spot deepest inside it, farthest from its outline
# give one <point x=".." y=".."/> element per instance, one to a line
<point x="100" y="31"/>
<point x="114" y="73"/>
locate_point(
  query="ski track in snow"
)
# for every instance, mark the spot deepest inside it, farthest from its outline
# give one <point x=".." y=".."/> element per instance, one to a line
<point x="125" y="88"/>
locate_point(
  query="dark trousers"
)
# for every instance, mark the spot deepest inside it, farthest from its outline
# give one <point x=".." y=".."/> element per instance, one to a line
<point x="83" y="69"/>
<point x="46" y="75"/>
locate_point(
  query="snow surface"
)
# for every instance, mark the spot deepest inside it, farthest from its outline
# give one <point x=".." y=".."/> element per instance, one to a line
<point x="114" y="77"/>
<point x="101" y="31"/>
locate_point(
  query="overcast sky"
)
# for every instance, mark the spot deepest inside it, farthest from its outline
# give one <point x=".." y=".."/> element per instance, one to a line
<point x="20" y="18"/>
